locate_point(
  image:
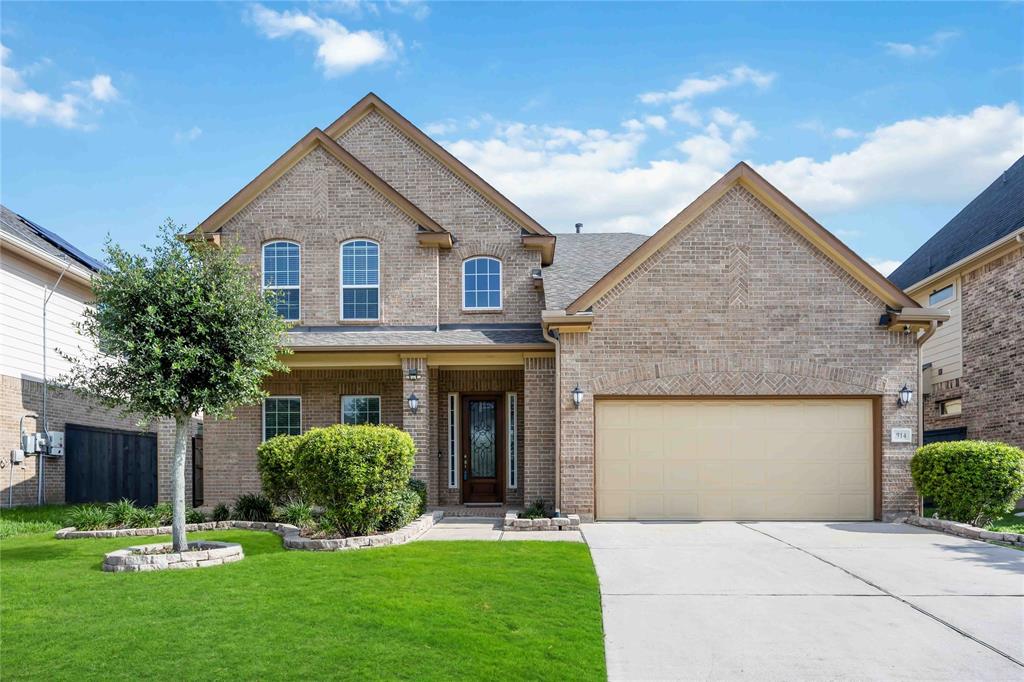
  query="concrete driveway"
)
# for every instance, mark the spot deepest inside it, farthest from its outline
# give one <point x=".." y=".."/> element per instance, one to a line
<point x="725" y="600"/>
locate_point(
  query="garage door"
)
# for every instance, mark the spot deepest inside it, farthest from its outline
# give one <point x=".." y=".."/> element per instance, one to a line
<point x="806" y="459"/>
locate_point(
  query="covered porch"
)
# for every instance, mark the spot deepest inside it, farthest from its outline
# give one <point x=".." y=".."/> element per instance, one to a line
<point x="483" y="421"/>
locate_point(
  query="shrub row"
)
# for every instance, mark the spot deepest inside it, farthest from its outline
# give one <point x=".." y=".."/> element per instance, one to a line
<point x="124" y="514"/>
<point x="358" y="475"/>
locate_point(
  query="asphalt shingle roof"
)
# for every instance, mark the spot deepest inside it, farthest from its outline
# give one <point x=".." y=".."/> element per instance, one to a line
<point x="338" y="337"/>
<point x="38" y="236"/>
<point x="995" y="213"/>
<point x="581" y="260"/>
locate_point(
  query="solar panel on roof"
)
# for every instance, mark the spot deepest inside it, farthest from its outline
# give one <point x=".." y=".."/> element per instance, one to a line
<point x="63" y="244"/>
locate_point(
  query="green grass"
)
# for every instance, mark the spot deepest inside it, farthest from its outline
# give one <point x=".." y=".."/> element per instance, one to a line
<point x="426" y="610"/>
<point x="1007" y="523"/>
<point x="25" y="520"/>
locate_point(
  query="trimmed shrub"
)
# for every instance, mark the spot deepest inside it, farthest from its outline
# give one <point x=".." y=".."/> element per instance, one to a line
<point x="537" y="510"/>
<point x="275" y="459"/>
<point x="144" y="517"/>
<point x="253" y="508"/>
<point x="121" y="512"/>
<point x="420" y="488"/>
<point x="163" y="514"/>
<point x="969" y="481"/>
<point x="193" y="515"/>
<point x="403" y="508"/>
<point x="221" y="512"/>
<point x="89" y="517"/>
<point x="354" y="472"/>
<point x="297" y="513"/>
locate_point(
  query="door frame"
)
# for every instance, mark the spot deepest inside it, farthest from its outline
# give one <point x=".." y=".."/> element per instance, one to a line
<point x="499" y="445"/>
<point x="876" y="427"/>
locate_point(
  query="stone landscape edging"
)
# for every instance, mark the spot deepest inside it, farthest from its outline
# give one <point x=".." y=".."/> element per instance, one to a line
<point x="966" y="530"/>
<point x="200" y="554"/>
<point x="514" y="523"/>
<point x="291" y="534"/>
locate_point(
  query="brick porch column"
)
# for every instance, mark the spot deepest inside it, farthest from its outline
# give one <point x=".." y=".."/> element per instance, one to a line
<point x="539" y="429"/>
<point x="418" y="424"/>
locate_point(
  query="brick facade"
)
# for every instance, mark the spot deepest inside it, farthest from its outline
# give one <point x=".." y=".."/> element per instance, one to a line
<point x="738" y="303"/>
<point x="993" y="320"/>
<point x="19" y="397"/>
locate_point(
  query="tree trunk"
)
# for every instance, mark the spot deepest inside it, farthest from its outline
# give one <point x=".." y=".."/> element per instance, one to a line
<point x="181" y="424"/>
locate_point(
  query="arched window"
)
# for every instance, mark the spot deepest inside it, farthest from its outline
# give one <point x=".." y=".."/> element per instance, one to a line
<point x="481" y="283"/>
<point x="360" y="280"/>
<point x="281" y="277"/>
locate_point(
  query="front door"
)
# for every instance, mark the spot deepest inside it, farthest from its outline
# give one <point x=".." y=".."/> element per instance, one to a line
<point x="482" y="445"/>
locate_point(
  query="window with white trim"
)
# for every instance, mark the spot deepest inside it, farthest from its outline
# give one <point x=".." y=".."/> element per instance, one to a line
<point x="360" y="280"/>
<point x="942" y="295"/>
<point x="512" y="419"/>
<point x="360" y="409"/>
<point x="481" y="283"/>
<point x="453" y="440"/>
<point x="281" y="277"/>
<point x="282" y="415"/>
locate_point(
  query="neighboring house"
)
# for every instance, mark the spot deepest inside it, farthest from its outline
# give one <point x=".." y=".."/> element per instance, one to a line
<point x="740" y="363"/>
<point x="974" y="268"/>
<point x="106" y="456"/>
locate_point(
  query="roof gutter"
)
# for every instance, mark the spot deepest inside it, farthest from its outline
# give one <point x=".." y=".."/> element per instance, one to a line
<point x="980" y="254"/>
<point x="74" y="272"/>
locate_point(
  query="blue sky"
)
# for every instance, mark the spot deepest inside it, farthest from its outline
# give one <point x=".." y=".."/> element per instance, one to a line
<point x="881" y="120"/>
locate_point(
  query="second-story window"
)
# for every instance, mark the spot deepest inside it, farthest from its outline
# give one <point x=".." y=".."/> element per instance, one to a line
<point x="481" y="283"/>
<point x="360" y="280"/>
<point x="281" y="277"/>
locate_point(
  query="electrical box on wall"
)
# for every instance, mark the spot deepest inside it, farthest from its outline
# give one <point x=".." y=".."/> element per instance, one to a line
<point x="28" y="442"/>
<point x="56" y="440"/>
<point x="17" y="456"/>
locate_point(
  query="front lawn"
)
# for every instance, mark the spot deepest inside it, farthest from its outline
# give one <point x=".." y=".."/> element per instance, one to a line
<point x="1008" y="523"/>
<point x="24" y="520"/>
<point x="426" y="610"/>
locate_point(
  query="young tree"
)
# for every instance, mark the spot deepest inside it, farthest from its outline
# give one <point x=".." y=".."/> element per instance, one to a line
<point x="180" y="330"/>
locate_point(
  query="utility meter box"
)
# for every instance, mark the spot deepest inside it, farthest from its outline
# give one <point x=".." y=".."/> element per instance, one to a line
<point x="56" y="440"/>
<point x="28" y="442"/>
<point x="17" y="456"/>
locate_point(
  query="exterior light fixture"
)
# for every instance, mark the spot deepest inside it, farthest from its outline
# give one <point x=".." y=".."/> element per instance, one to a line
<point x="906" y="395"/>
<point x="414" y="372"/>
<point x="414" y="403"/>
<point x="577" y="396"/>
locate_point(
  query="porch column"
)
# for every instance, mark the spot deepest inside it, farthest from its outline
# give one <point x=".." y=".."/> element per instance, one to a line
<point x="418" y="424"/>
<point x="539" y="431"/>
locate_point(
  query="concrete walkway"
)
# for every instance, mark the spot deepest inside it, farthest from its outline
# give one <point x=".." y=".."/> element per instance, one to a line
<point x="773" y="601"/>
<point x="468" y="528"/>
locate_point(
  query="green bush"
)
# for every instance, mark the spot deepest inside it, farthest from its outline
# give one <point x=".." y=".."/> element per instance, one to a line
<point x="221" y="512"/>
<point x="142" y="517"/>
<point x="193" y="515"/>
<point x="420" y="488"/>
<point x="969" y="481"/>
<point x="163" y="514"/>
<point x="297" y="513"/>
<point x="537" y="510"/>
<point x="89" y="517"/>
<point x="121" y="511"/>
<point x="254" y="507"/>
<point x="354" y="472"/>
<point x="403" y="508"/>
<point x="275" y="459"/>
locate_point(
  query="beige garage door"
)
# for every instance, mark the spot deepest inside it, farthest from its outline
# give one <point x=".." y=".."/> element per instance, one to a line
<point x="735" y="459"/>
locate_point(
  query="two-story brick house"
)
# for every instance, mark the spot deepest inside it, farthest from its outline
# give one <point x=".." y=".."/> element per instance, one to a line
<point x="740" y="363"/>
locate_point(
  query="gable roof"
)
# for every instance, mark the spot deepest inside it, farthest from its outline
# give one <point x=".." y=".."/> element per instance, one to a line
<point x="49" y="243"/>
<point x="781" y="205"/>
<point x="313" y="139"/>
<point x="995" y="213"/>
<point x="374" y="103"/>
<point x="581" y="260"/>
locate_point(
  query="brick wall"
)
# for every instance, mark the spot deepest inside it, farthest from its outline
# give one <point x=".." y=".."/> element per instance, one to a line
<point x="737" y="304"/>
<point x="941" y="391"/>
<point x="21" y="396"/>
<point x="539" y="432"/>
<point x="993" y="320"/>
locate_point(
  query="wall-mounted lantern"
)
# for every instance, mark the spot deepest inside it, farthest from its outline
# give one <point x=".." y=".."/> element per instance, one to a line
<point x="577" y="396"/>
<point x="906" y="395"/>
<point x="414" y="403"/>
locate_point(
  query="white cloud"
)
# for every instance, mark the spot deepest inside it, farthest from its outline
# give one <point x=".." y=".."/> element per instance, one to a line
<point x="563" y="175"/>
<point x="417" y="9"/>
<point x="339" y="50"/>
<point x="929" y="48"/>
<point x="925" y="159"/>
<point x="19" y="101"/>
<point x="844" y="133"/>
<point x="687" y="114"/>
<point x="694" y="87"/>
<point x="445" y="127"/>
<point x="190" y="135"/>
<point x="884" y="266"/>
<point x="656" y="122"/>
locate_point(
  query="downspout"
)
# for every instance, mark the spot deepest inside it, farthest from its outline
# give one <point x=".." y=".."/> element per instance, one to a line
<point x="558" y="418"/>
<point x="437" y="290"/>
<point x="41" y="461"/>
<point x="932" y="328"/>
